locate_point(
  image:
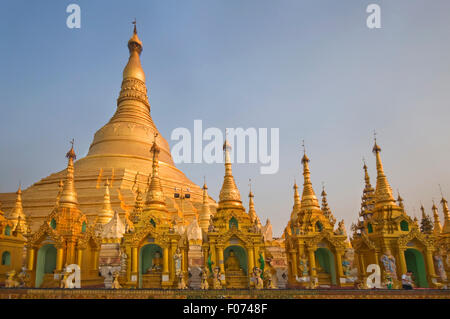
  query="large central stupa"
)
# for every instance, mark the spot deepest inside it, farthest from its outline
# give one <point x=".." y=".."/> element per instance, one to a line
<point x="119" y="153"/>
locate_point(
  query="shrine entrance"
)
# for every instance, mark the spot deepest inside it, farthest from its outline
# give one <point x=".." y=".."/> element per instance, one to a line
<point x="325" y="266"/>
<point x="150" y="266"/>
<point x="236" y="267"/>
<point x="45" y="264"/>
<point x="415" y="263"/>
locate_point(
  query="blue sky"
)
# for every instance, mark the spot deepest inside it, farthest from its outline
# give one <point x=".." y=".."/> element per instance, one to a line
<point x="310" y="68"/>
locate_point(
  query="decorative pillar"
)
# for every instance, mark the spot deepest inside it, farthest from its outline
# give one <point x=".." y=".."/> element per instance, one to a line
<point x="401" y="253"/>
<point x="206" y="255"/>
<point x="183" y="260"/>
<point x="251" y="260"/>
<point x="362" y="266"/>
<point x="255" y="255"/>
<point x="312" y="262"/>
<point x="134" y="260"/>
<point x="300" y="249"/>
<point x="430" y="263"/>
<point x="95" y="257"/>
<point x="221" y="261"/>
<point x="339" y="253"/>
<point x="79" y="256"/>
<point x="30" y="259"/>
<point x="377" y="261"/>
<point x="59" y="259"/>
<point x="213" y="253"/>
<point x="166" y="259"/>
<point x="173" y="249"/>
<point x="294" y="264"/>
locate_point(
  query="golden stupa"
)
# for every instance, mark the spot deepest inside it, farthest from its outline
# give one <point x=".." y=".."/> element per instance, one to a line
<point x="119" y="153"/>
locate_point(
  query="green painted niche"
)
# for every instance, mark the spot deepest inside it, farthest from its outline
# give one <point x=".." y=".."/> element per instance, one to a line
<point x="325" y="258"/>
<point x="6" y="258"/>
<point x="415" y="263"/>
<point x="241" y="255"/>
<point x="146" y="255"/>
<point x="83" y="227"/>
<point x="53" y="223"/>
<point x="369" y="228"/>
<point x="46" y="262"/>
<point x="404" y="225"/>
<point x="319" y="226"/>
<point x="233" y="223"/>
<point x="8" y="230"/>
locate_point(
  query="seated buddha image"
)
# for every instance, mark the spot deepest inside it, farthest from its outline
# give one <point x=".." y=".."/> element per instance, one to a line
<point x="232" y="262"/>
<point x="156" y="263"/>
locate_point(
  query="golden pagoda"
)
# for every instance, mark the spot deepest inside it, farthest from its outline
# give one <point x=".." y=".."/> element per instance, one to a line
<point x="64" y="238"/>
<point x="118" y="153"/>
<point x="314" y="250"/>
<point x="234" y="244"/>
<point x="385" y="235"/>
<point x="152" y="242"/>
<point x="12" y="243"/>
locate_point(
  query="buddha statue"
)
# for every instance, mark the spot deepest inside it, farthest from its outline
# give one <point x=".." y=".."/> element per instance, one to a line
<point x="156" y="262"/>
<point x="232" y="263"/>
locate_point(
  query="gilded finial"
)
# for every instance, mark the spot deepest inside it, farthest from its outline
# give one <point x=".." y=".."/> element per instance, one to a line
<point x="204" y="183"/>
<point x="71" y="153"/>
<point x="68" y="195"/>
<point x="134" y="23"/>
<point x="376" y="148"/>
<point x="305" y="158"/>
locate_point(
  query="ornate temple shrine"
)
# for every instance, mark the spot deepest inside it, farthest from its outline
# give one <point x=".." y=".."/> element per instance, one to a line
<point x="126" y="217"/>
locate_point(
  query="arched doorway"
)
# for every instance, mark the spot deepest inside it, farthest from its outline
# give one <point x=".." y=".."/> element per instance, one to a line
<point x="46" y="263"/>
<point x="149" y="254"/>
<point x="326" y="270"/>
<point x="416" y="264"/>
<point x="236" y="278"/>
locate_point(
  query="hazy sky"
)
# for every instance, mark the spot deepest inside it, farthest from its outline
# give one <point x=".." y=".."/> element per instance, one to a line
<point x="310" y="68"/>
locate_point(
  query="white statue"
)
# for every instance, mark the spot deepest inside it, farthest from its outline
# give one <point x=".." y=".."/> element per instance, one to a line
<point x="440" y="267"/>
<point x="177" y="257"/>
<point x="389" y="264"/>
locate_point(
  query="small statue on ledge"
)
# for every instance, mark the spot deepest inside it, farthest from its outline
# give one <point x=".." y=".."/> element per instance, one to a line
<point x="181" y="281"/>
<point x="217" y="284"/>
<point x="204" y="283"/>
<point x="10" y="282"/>
<point x="259" y="283"/>
<point x="115" y="283"/>
<point x="156" y="263"/>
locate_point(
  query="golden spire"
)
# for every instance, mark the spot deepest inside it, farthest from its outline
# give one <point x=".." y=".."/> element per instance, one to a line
<point x="437" y="224"/>
<point x="134" y="69"/>
<point x="383" y="191"/>
<point x="426" y="224"/>
<point x="205" y="213"/>
<point x="251" y="208"/>
<point x="368" y="197"/>
<point x="17" y="215"/>
<point x="229" y="194"/>
<point x="297" y="203"/>
<point x="309" y="199"/>
<point x="68" y="195"/>
<point x="325" y="208"/>
<point x="400" y="200"/>
<point x="445" y="209"/>
<point x="107" y="212"/>
<point x="155" y="196"/>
